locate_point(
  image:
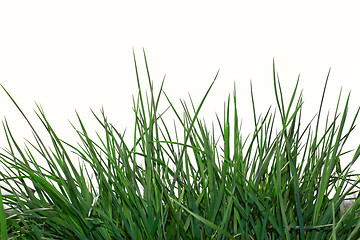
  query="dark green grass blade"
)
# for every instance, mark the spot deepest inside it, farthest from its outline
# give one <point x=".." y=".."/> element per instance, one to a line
<point x="3" y="225"/>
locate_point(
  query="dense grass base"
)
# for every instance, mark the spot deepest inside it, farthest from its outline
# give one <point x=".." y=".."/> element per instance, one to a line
<point x="275" y="184"/>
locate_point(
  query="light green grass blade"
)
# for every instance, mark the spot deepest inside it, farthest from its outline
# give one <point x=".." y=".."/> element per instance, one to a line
<point x="205" y="221"/>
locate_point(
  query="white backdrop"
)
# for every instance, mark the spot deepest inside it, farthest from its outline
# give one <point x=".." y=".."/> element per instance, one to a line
<point x="69" y="55"/>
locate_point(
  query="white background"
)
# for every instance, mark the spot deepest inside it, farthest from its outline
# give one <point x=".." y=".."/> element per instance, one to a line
<point x="68" y="55"/>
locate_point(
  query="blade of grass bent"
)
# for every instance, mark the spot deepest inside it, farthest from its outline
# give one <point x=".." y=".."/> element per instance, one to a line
<point x="205" y="221"/>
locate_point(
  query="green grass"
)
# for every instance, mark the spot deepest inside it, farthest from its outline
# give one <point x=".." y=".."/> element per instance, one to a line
<point x="280" y="182"/>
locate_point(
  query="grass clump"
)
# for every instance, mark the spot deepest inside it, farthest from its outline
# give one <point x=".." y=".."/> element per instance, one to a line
<point x="276" y="184"/>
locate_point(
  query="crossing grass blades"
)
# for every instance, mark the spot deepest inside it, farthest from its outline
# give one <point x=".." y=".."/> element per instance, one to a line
<point x="281" y="182"/>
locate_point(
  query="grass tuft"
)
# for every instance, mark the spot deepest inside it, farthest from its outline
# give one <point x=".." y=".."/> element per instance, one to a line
<point x="278" y="183"/>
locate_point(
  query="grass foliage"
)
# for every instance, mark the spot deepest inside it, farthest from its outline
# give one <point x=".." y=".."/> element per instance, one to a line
<point x="275" y="184"/>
